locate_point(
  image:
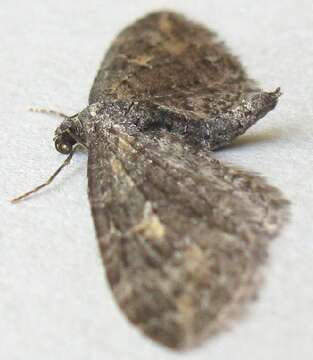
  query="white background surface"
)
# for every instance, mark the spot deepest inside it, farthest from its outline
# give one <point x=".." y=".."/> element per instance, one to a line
<point x="54" y="301"/>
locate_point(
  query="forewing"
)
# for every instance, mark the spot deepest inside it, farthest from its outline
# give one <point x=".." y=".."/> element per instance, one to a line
<point x="181" y="235"/>
<point x="174" y="62"/>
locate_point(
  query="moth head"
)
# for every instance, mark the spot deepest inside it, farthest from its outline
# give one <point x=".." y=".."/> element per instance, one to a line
<point x="64" y="138"/>
<point x="64" y="143"/>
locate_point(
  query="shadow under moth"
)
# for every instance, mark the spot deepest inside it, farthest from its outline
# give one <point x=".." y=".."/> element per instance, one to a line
<point x="182" y="236"/>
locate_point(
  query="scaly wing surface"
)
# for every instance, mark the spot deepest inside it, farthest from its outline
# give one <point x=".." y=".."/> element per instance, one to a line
<point x="173" y="62"/>
<point x="181" y="235"/>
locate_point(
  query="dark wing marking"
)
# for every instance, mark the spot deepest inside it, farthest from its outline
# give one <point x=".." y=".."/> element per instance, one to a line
<point x="173" y="61"/>
<point x="181" y="235"/>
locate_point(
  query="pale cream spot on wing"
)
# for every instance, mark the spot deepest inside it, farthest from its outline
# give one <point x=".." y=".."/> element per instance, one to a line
<point x="172" y="44"/>
<point x="185" y="309"/>
<point x="150" y="227"/>
<point x="125" y="144"/>
<point x="194" y="259"/>
<point x="119" y="171"/>
<point x="165" y="24"/>
<point x="194" y="263"/>
<point x="117" y="167"/>
<point x="142" y="60"/>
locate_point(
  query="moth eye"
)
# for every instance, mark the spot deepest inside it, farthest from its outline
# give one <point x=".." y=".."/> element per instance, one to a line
<point x="63" y="147"/>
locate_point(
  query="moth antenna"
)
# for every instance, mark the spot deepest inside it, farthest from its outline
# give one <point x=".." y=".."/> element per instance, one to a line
<point x="48" y="111"/>
<point x="49" y="181"/>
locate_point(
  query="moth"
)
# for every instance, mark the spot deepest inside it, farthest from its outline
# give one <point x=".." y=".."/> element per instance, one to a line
<point x="182" y="236"/>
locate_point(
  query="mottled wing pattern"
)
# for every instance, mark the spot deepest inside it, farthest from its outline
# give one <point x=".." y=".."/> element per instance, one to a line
<point x="172" y="62"/>
<point x="181" y="235"/>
